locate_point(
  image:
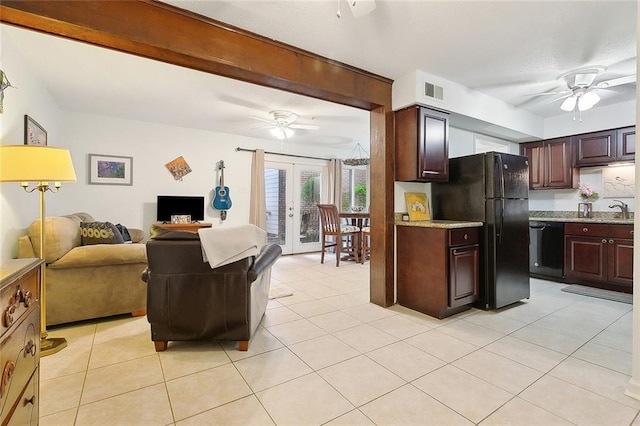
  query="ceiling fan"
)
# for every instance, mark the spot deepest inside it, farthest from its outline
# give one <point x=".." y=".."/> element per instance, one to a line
<point x="283" y="123"/>
<point x="581" y="95"/>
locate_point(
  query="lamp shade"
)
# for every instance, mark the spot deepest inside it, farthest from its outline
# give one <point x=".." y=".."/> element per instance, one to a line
<point x="28" y="163"/>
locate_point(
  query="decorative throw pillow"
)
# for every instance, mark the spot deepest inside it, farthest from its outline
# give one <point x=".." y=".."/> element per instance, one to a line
<point x="99" y="233"/>
<point x="124" y="232"/>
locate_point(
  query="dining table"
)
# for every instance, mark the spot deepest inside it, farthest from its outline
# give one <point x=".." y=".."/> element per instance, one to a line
<point x="358" y="219"/>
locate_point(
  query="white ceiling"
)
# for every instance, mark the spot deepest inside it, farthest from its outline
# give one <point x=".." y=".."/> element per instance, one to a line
<point x="506" y="49"/>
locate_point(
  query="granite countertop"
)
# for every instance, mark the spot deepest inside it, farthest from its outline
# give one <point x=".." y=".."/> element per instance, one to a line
<point x="445" y="224"/>
<point x="571" y="216"/>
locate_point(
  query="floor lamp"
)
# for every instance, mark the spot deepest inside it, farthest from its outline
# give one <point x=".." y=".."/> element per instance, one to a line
<point x="40" y="165"/>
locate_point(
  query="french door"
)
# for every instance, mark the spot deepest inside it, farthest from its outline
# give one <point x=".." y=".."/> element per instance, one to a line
<point x="292" y="192"/>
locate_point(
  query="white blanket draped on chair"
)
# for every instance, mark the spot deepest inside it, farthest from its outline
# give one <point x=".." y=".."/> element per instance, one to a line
<point x="228" y="244"/>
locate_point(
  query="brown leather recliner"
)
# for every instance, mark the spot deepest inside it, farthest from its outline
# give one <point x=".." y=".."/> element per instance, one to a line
<point x="188" y="300"/>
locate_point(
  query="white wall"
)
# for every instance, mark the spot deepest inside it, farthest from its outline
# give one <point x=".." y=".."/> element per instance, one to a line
<point x="409" y="89"/>
<point x="568" y="199"/>
<point x="598" y="118"/>
<point x="17" y="208"/>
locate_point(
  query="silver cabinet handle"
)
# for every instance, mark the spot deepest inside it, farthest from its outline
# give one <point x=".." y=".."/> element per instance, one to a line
<point x="610" y="241"/>
<point x="585" y="229"/>
<point x="604" y="241"/>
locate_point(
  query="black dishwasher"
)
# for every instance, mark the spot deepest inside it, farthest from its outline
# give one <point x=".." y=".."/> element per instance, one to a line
<point x="546" y="253"/>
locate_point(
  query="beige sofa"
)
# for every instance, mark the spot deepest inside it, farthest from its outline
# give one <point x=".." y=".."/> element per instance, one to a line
<point x="87" y="281"/>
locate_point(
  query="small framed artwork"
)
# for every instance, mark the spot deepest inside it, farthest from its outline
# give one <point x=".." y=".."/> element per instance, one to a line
<point x="34" y="134"/>
<point x="178" y="168"/>
<point x="417" y="206"/>
<point x="110" y="170"/>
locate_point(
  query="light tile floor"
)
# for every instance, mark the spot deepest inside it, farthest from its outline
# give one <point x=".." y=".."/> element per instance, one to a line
<point x="325" y="355"/>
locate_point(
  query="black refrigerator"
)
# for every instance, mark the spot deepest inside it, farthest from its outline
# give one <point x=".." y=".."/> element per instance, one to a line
<point x="492" y="188"/>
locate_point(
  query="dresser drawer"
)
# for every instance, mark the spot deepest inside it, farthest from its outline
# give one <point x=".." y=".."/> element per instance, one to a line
<point x="587" y="229"/>
<point x="19" y="356"/>
<point x="463" y="237"/>
<point x="26" y="412"/>
<point x="16" y="298"/>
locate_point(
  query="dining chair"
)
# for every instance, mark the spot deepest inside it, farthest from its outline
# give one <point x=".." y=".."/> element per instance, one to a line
<point x="347" y="237"/>
<point x="365" y="238"/>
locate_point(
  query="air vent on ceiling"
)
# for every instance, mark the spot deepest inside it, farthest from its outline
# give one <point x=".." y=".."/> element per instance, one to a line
<point x="433" y="91"/>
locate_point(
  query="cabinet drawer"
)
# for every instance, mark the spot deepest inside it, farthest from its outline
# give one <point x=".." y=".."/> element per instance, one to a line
<point x="463" y="236"/>
<point x="621" y="231"/>
<point x="587" y="229"/>
<point x="19" y="354"/>
<point x="26" y="412"/>
<point x="16" y="298"/>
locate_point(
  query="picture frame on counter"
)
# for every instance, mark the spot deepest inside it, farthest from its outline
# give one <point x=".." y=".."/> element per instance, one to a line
<point x="417" y="206"/>
<point x="585" y="210"/>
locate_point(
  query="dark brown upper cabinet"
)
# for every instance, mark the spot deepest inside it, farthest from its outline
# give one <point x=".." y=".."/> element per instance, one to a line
<point x="422" y="145"/>
<point x="605" y="147"/>
<point x="550" y="164"/>
<point x="626" y="143"/>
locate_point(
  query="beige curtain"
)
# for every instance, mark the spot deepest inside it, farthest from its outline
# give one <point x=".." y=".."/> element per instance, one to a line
<point x="335" y="182"/>
<point x="258" y="207"/>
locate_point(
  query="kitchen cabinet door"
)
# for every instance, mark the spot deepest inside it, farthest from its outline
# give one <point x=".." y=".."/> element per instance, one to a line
<point x="559" y="164"/>
<point x="620" y="262"/>
<point x="463" y="275"/>
<point x="626" y="144"/>
<point x="599" y="255"/>
<point x="550" y="164"/>
<point x="595" y="149"/>
<point x="535" y="152"/>
<point x="585" y="258"/>
<point x="422" y="145"/>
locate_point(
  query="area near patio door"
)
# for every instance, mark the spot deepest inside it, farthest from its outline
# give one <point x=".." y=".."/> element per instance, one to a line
<point x="292" y="193"/>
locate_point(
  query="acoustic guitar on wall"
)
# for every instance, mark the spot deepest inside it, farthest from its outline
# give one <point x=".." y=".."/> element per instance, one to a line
<point x="221" y="201"/>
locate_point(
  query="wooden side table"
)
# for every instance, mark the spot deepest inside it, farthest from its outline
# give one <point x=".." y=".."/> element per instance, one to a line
<point x="191" y="227"/>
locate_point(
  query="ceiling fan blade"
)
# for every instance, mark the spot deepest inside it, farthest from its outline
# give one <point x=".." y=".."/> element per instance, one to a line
<point x="291" y="118"/>
<point x="273" y="123"/>
<point x="549" y="93"/>
<point x="304" y="126"/>
<point x="617" y="81"/>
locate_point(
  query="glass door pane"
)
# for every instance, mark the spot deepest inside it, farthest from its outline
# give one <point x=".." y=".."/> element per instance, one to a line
<point x="275" y="180"/>
<point x="308" y="195"/>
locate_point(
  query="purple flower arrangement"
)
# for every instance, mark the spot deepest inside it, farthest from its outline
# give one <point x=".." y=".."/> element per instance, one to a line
<point x="587" y="193"/>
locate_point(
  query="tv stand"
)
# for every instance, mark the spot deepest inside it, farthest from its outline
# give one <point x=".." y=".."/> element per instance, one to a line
<point x="192" y="227"/>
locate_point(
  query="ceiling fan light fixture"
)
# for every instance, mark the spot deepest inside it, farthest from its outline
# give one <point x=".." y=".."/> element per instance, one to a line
<point x="588" y="100"/>
<point x="569" y="104"/>
<point x="281" y="133"/>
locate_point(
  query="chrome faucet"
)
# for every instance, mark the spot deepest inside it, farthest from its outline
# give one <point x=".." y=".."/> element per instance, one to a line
<point x="623" y="208"/>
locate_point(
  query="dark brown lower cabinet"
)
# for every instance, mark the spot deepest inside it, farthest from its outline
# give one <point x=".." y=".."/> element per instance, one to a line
<point x="599" y="255"/>
<point x="438" y="269"/>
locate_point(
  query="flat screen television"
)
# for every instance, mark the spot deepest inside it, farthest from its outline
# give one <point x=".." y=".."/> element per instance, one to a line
<point x="169" y="205"/>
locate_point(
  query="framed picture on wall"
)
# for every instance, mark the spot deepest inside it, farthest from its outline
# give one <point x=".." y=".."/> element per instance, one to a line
<point x="110" y="170"/>
<point x="34" y="134"/>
